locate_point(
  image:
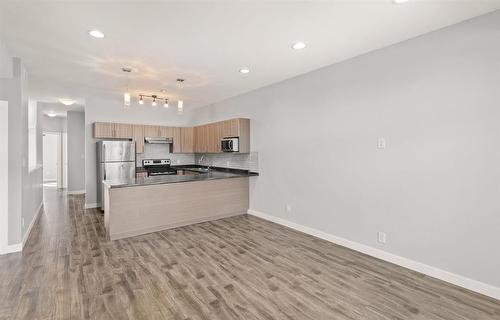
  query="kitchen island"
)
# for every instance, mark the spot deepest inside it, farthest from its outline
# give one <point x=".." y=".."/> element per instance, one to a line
<point x="148" y="204"/>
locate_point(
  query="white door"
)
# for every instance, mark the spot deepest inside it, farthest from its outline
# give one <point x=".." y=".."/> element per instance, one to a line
<point x="50" y="157"/>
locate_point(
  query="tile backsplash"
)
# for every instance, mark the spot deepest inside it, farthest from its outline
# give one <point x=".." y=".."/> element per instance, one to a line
<point x="246" y="161"/>
<point x="162" y="151"/>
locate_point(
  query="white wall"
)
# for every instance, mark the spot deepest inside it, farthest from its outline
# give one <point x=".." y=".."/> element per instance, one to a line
<point x="50" y="156"/>
<point x="111" y="110"/>
<point x="24" y="186"/>
<point x="4" y="175"/>
<point x="434" y="190"/>
<point x="55" y="124"/>
<point x="76" y="151"/>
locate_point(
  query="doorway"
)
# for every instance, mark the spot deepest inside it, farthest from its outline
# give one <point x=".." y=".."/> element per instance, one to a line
<point x="54" y="160"/>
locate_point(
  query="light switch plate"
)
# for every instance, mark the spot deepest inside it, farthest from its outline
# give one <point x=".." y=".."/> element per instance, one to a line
<point x="381" y="144"/>
<point x="382" y="237"/>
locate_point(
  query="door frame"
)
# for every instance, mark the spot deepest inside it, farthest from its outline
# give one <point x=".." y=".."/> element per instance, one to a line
<point x="61" y="158"/>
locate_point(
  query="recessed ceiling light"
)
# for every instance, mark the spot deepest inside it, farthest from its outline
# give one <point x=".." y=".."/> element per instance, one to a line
<point x="244" y="70"/>
<point x="51" y="114"/>
<point x="67" y="102"/>
<point x="298" y="45"/>
<point x="96" y="34"/>
<point x="400" y="1"/>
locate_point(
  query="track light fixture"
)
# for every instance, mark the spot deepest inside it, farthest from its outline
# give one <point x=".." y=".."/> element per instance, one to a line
<point x="155" y="100"/>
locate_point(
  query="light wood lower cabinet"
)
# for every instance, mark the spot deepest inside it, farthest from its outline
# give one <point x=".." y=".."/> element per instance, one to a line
<point x="131" y="211"/>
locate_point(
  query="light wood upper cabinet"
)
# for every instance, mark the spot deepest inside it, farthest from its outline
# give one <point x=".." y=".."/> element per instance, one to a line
<point x="201" y="139"/>
<point x="230" y="128"/>
<point x="152" y="131"/>
<point x="138" y="136"/>
<point x="103" y="130"/>
<point x="214" y="131"/>
<point x="177" y="140"/>
<point x="187" y="137"/>
<point x="166" y="132"/>
<point x="124" y="131"/>
<point x="244" y="135"/>
<point x="210" y="141"/>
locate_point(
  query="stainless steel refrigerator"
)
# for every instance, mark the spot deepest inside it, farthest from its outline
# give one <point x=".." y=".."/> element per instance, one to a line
<point x="115" y="161"/>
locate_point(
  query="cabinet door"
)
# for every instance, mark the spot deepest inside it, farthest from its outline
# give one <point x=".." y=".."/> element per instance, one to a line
<point x="124" y="131"/>
<point x="166" y="132"/>
<point x="103" y="130"/>
<point x="214" y="132"/>
<point x="201" y="137"/>
<point x="230" y="128"/>
<point x="187" y="136"/>
<point x="177" y="140"/>
<point x="219" y="127"/>
<point x="210" y="137"/>
<point x="138" y="131"/>
<point x="152" y="131"/>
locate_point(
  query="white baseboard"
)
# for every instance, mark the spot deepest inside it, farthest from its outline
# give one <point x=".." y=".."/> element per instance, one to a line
<point x="20" y="246"/>
<point x="92" y="205"/>
<point x="32" y="223"/>
<point x="461" y="281"/>
<point x="76" y="192"/>
<point x="11" y="248"/>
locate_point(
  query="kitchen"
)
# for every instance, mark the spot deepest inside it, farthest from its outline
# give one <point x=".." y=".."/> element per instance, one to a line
<point x="188" y="193"/>
<point x="250" y="160"/>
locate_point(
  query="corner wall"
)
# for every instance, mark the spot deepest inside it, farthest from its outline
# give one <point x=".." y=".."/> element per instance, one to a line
<point x="434" y="190"/>
<point x="24" y="186"/>
<point x="76" y="151"/>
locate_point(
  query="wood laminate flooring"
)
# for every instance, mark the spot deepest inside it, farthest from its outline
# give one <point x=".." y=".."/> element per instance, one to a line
<point x="235" y="268"/>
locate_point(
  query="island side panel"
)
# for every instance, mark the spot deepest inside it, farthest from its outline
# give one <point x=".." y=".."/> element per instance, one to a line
<point x="138" y="210"/>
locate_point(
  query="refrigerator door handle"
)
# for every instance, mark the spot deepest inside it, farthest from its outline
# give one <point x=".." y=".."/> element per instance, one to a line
<point x="103" y="153"/>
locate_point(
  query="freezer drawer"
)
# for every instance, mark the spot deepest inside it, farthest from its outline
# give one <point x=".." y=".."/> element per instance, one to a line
<point x="116" y="171"/>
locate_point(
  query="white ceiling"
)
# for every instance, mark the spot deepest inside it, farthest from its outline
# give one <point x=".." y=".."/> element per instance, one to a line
<point x="59" y="109"/>
<point x="204" y="42"/>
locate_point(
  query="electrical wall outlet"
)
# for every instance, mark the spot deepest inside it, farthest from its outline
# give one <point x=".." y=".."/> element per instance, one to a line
<point x="381" y="144"/>
<point x="382" y="237"/>
<point x="288" y="208"/>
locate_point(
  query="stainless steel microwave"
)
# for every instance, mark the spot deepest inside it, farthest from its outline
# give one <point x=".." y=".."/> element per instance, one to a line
<point x="230" y="145"/>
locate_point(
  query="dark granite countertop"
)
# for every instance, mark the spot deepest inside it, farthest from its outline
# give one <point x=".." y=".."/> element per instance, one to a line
<point x="213" y="174"/>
